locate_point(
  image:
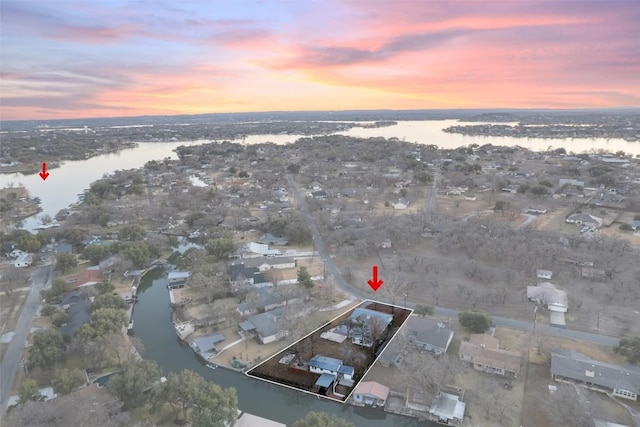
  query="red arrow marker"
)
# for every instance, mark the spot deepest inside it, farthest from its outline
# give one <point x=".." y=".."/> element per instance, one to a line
<point x="375" y="283"/>
<point x="44" y="174"/>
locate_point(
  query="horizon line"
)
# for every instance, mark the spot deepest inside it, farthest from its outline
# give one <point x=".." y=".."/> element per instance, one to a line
<point x="487" y="109"/>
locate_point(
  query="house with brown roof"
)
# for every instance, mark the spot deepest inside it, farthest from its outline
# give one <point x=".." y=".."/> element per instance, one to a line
<point x="370" y="393"/>
<point x="89" y="277"/>
<point x="484" y="353"/>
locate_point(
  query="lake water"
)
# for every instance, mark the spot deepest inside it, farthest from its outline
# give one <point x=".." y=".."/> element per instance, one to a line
<point x="152" y="313"/>
<point x="65" y="183"/>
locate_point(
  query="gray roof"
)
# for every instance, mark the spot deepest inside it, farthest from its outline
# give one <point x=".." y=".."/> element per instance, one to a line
<point x="428" y="331"/>
<point x="247" y="273"/>
<point x="266" y="298"/>
<point x="63" y="248"/>
<point x="247" y="326"/>
<point x="178" y="275"/>
<point x="79" y="312"/>
<point x="324" y="362"/>
<point x="208" y="342"/>
<point x="575" y="365"/>
<point x="256" y="262"/>
<point x="266" y="323"/>
<point x="348" y="370"/>
<point x="271" y="239"/>
<point x="367" y="314"/>
<point x="325" y="380"/>
<point x="585" y="218"/>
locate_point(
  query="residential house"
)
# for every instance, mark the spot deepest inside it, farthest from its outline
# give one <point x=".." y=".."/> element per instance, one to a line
<point x="270" y="239"/>
<point x="544" y="274"/>
<point x="329" y="365"/>
<point x="89" y="277"/>
<point x="583" y="219"/>
<point x="240" y="274"/>
<point x="367" y="325"/>
<point x="547" y="294"/>
<point x="572" y="366"/>
<point x="254" y="250"/>
<point x="371" y="393"/>
<point x="177" y="279"/>
<point x="447" y="409"/>
<point x="384" y="244"/>
<point x="23" y="260"/>
<point x="78" y="307"/>
<point x="635" y="225"/>
<point x="207" y="344"/>
<point x="267" y="326"/>
<point x="266" y="264"/>
<point x="595" y="273"/>
<point x="428" y="334"/>
<point x="400" y="204"/>
<point x="610" y="198"/>
<point x="267" y="299"/>
<point x="574" y="182"/>
<point x="319" y="195"/>
<point x="484" y="353"/>
<point x="15" y="253"/>
<point x="535" y="211"/>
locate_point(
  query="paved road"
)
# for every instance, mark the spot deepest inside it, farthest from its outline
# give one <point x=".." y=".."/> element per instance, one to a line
<point x="345" y="287"/>
<point x="10" y="364"/>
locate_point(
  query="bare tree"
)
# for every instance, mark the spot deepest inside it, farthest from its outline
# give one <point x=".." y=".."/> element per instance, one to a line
<point x="565" y="408"/>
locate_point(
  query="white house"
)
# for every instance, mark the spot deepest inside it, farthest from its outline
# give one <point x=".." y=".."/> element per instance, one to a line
<point x="544" y="274"/>
<point x="328" y="365"/>
<point x="270" y="263"/>
<point x="23" y="260"/>
<point x="16" y="253"/>
<point x="400" y="204"/>
<point x="584" y="219"/>
<point x="178" y="278"/>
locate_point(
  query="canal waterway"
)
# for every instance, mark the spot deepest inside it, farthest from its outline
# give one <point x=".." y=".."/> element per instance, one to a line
<point x="152" y="319"/>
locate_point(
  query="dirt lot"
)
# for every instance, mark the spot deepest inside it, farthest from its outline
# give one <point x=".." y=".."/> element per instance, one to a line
<point x="459" y="207"/>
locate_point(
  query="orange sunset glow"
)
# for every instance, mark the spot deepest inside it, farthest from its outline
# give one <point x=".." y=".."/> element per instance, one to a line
<point x="118" y="58"/>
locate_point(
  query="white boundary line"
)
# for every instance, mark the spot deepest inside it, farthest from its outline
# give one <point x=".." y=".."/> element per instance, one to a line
<point x="410" y="310"/>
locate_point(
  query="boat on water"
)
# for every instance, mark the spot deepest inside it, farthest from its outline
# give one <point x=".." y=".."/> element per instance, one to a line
<point x="212" y="365"/>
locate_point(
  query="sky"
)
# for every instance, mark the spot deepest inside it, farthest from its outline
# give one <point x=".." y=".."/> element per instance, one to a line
<point x="107" y="58"/>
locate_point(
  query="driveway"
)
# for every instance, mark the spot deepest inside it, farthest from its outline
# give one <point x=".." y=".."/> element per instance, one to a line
<point x="10" y="364"/>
